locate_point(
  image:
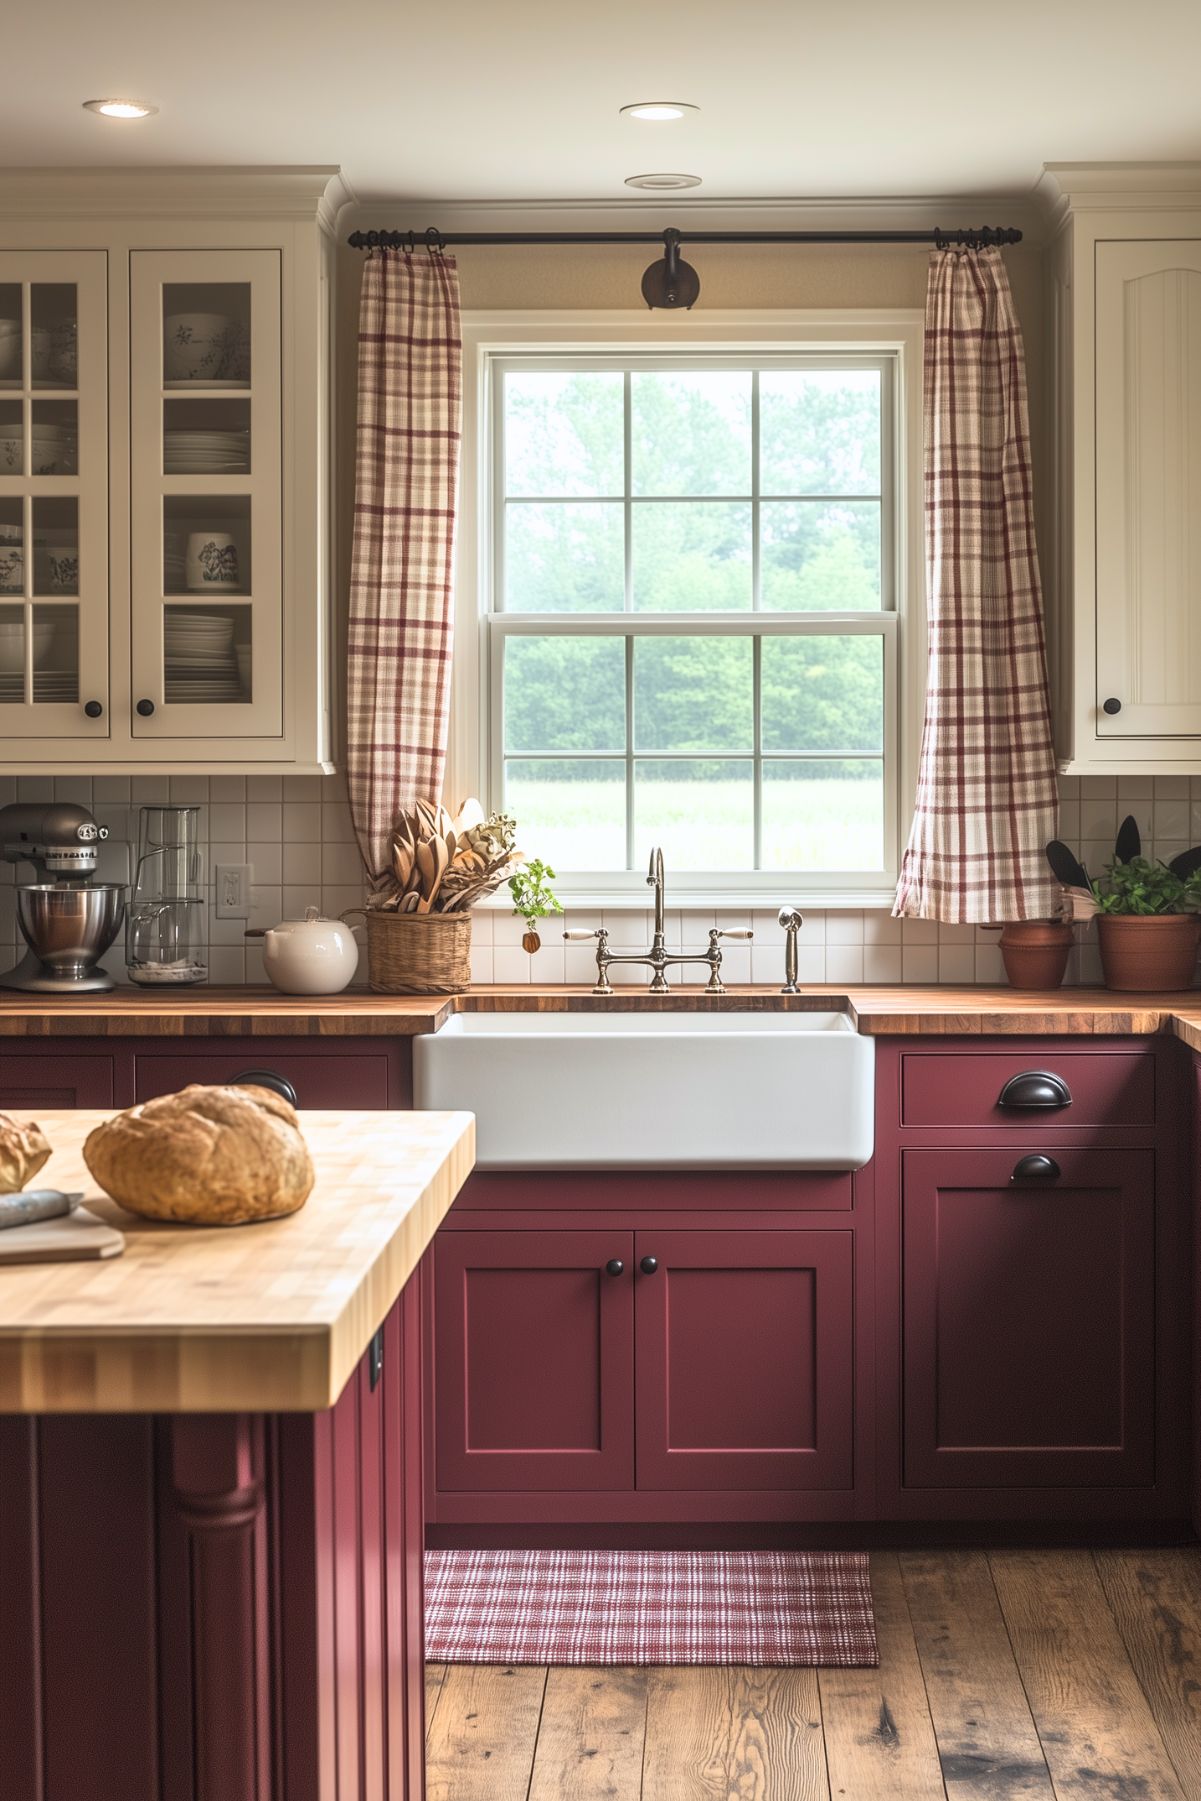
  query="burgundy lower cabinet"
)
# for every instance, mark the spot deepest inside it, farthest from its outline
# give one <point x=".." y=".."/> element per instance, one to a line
<point x="44" y="1077"/>
<point x="534" y="1365"/>
<point x="327" y="1073"/>
<point x="1032" y="1281"/>
<point x="221" y="1607"/>
<point x="1028" y="1318"/>
<point x="744" y="1360"/>
<point x="652" y="1373"/>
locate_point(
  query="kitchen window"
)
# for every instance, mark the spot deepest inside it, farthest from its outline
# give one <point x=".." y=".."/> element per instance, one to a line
<point x="690" y="632"/>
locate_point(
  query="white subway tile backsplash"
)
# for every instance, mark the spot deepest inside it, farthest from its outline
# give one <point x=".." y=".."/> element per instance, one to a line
<point x="296" y="834"/>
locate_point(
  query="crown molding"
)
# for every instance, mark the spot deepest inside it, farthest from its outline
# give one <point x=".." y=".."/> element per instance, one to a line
<point x="655" y="213"/>
<point x="1103" y="187"/>
<point x="223" y="191"/>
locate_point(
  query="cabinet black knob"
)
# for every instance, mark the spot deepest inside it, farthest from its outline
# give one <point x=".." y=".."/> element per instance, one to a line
<point x="267" y="1078"/>
<point x="649" y="1265"/>
<point x="145" y="708"/>
<point x="1111" y="706"/>
<point x="1037" y="1166"/>
<point x="93" y="709"/>
<point x="615" y="1267"/>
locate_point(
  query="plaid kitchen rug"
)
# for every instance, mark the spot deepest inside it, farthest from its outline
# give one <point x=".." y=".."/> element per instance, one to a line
<point x="641" y="1607"/>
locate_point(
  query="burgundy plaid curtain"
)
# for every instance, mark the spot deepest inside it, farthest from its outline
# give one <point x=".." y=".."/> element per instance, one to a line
<point x="406" y="483"/>
<point x="986" y="792"/>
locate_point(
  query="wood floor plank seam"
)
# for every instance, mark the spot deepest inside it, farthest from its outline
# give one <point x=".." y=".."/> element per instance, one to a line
<point x="1030" y="1707"/>
<point x="529" y="1781"/>
<point x="1177" y="1735"/>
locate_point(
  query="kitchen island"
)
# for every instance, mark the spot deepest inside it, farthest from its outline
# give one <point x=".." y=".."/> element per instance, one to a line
<point x="211" y="1517"/>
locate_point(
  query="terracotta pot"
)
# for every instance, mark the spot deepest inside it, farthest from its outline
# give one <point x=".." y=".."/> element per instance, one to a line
<point x="1035" y="952"/>
<point x="1157" y="953"/>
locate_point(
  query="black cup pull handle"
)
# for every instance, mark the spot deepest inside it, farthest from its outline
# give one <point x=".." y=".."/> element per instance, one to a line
<point x="1035" y="1168"/>
<point x="267" y="1078"/>
<point x="1034" y="1090"/>
<point x="615" y="1267"/>
<point x="649" y="1265"/>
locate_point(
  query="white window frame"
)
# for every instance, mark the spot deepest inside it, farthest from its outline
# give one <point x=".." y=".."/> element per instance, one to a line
<point x="473" y="750"/>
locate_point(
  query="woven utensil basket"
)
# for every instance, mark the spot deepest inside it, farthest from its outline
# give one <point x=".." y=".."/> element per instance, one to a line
<point x="418" y="953"/>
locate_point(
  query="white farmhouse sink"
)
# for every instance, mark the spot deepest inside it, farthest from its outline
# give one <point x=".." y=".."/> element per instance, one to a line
<point x="670" y="1090"/>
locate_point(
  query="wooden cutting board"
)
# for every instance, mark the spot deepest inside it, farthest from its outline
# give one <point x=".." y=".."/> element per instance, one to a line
<point x="73" y="1238"/>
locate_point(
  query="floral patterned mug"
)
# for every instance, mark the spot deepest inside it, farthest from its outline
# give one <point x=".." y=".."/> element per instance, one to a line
<point x="212" y="562"/>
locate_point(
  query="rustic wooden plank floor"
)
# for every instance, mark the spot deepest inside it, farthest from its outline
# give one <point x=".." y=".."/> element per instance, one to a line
<point x="1004" y="1676"/>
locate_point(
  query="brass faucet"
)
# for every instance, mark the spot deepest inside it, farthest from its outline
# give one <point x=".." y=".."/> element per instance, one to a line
<point x="658" y="959"/>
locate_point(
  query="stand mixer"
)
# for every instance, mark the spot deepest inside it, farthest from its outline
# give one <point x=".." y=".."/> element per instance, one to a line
<point x="67" y="920"/>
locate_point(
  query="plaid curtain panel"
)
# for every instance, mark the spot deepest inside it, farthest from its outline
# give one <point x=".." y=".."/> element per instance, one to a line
<point x="986" y="793"/>
<point x="406" y="485"/>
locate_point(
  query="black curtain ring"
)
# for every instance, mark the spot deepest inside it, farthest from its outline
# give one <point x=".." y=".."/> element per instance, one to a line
<point x="434" y="239"/>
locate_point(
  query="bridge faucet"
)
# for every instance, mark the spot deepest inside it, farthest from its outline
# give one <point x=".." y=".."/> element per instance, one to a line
<point x="657" y="959"/>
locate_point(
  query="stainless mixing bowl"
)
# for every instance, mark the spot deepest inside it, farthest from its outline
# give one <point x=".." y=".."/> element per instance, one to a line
<point x="70" y="926"/>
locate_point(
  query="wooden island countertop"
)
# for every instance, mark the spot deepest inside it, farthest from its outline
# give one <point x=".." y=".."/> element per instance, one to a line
<point x="259" y="1318"/>
<point x="878" y="1011"/>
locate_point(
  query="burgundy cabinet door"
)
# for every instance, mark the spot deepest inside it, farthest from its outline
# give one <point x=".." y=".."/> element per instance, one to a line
<point x="1029" y="1320"/>
<point x="745" y="1360"/>
<point x="533" y="1360"/>
<point x="53" y="1081"/>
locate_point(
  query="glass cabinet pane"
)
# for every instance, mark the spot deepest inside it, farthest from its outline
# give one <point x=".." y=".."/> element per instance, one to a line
<point x="206" y="334"/>
<point x="55" y="545"/>
<point x="12" y="545"/>
<point x="55" y="652"/>
<point x="53" y="334"/>
<point x="12" y="437"/>
<point x="54" y="437"/>
<point x="206" y="437"/>
<point x="12" y="653"/>
<point x="206" y="655"/>
<point x="12" y="342"/>
<point x="206" y="544"/>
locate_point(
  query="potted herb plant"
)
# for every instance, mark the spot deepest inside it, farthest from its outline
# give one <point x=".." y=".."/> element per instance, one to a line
<point x="533" y="899"/>
<point x="1147" y="922"/>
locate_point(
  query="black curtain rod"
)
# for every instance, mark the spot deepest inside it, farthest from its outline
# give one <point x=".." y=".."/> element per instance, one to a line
<point x="976" y="238"/>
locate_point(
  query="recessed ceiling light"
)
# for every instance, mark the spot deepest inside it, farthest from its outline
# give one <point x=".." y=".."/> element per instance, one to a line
<point x="120" y="109"/>
<point x="659" y="111"/>
<point x="661" y="183"/>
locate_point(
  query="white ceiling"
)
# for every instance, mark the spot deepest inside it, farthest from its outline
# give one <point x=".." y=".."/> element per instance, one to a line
<point x="518" y="99"/>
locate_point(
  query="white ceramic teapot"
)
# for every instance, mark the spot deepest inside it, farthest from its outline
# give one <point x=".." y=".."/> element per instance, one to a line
<point x="310" y="955"/>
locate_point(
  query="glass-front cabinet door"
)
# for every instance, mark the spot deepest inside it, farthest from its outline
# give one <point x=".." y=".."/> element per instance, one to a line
<point x="206" y="573"/>
<point x="54" y="656"/>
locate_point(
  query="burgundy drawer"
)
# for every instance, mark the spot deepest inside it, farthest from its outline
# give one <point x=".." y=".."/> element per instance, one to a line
<point x="1107" y="1088"/>
<point x="328" y="1080"/>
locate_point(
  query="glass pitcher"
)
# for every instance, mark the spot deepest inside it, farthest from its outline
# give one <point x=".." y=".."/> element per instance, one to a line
<point x="164" y="933"/>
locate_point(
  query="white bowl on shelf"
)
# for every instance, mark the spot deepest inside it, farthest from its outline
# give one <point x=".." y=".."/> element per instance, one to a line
<point x="202" y="347"/>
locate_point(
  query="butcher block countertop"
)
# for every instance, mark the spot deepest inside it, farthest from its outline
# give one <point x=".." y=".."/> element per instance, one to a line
<point x="259" y="1319"/>
<point x="262" y="1012"/>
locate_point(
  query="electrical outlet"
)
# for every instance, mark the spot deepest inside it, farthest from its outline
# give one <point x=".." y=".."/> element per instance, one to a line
<point x="233" y="890"/>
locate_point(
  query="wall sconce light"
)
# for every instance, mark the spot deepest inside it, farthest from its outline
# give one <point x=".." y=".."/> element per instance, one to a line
<point x="671" y="282"/>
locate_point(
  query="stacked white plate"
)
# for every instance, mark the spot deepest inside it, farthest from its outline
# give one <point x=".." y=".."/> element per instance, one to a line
<point x="206" y="452"/>
<point x="201" y="663"/>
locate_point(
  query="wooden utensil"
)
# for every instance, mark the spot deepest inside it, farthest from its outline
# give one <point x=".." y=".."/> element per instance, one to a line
<point x="75" y="1237"/>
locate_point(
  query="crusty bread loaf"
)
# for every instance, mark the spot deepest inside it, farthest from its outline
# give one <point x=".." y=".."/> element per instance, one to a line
<point x="23" y="1150"/>
<point x="209" y="1156"/>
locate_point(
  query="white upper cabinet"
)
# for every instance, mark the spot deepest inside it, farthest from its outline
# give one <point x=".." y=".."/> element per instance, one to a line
<point x="1149" y="490"/>
<point x="165" y="470"/>
<point x="1125" y="568"/>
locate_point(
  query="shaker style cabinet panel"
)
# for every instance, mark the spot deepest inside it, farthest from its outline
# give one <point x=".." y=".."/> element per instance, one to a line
<point x="206" y="573"/>
<point x="745" y="1360"/>
<point x="54" y="1081"/>
<point x="533" y="1360"/>
<point x="1148" y="473"/>
<point x="1028" y="1318"/>
<point x="54" y="574"/>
